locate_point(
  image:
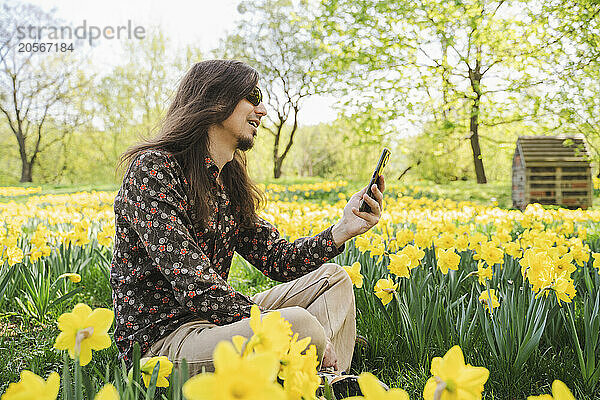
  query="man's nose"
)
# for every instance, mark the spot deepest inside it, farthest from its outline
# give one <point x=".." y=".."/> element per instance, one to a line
<point x="260" y="109"/>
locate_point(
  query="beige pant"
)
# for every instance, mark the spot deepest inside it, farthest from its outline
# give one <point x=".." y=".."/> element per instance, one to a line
<point x="319" y="305"/>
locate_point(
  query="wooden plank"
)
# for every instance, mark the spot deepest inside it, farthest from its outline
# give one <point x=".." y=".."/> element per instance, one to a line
<point x="551" y="159"/>
<point x="546" y="163"/>
<point x="547" y="180"/>
<point x="550" y="138"/>
<point x="564" y="174"/>
<point x="552" y="153"/>
<point x="548" y="147"/>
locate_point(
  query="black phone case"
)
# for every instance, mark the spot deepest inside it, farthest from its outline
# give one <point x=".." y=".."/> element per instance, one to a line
<point x="383" y="159"/>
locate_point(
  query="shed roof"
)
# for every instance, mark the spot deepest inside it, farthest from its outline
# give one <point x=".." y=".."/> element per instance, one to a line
<point x="542" y="150"/>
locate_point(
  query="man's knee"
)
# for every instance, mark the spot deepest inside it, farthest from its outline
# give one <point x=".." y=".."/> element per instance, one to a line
<point x="306" y="325"/>
<point x="337" y="275"/>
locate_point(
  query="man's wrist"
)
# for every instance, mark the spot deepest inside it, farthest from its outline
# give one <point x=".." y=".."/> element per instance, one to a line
<point x="339" y="233"/>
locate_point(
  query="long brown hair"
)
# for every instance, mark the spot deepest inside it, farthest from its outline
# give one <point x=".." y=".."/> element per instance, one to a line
<point x="207" y="95"/>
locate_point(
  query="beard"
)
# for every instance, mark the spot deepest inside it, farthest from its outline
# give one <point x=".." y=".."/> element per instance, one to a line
<point x="245" y="143"/>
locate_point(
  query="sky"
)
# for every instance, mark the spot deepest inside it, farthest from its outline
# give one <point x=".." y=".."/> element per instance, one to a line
<point x="201" y="23"/>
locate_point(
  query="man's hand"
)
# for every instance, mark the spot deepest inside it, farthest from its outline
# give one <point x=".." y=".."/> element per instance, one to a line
<point x="329" y="357"/>
<point x="355" y="222"/>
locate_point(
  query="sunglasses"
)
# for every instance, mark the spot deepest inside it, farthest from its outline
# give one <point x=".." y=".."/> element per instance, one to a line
<point x="255" y="97"/>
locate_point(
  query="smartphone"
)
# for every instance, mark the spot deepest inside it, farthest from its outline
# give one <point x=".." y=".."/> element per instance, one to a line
<point x="383" y="159"/>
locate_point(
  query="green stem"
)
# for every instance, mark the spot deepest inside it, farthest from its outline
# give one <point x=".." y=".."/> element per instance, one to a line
<point x="78" y="383"/>
<point x="576" y="340"/>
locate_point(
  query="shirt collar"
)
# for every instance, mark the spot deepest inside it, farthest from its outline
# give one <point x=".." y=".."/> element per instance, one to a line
<point x="212" y="168"/>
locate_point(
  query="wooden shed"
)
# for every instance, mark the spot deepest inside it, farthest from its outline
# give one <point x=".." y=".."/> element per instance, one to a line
<point x="552" y="170"/>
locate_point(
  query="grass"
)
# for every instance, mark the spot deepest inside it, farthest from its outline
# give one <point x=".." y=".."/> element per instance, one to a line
<point x="27" y="344"/>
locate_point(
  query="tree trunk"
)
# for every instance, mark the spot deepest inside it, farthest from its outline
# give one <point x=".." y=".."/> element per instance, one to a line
<point x="26" y="171"/>
<point x="475" y="78"/>
<point x="277" y="168"/>
<point x="473" y="128"/>
<point x="278" y="160"/>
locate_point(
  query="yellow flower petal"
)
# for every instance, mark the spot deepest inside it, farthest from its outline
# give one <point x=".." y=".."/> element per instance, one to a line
<point x="108" y="392"/>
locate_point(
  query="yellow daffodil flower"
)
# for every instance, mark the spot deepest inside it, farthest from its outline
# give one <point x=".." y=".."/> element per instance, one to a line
<point x="424" y="238"/>
<point x="404" y="236"/>
<point x="15" y="255"/>
<point x="444" y="241"/>
<point x="108" y="392"/>
<point x="362" y="243"/>
<point x="84" y="330"/>
<point x="299" y="371"/>
<point x="353" y="272"/>
<point x="164" y="370"/>
<point x="454" y="379"/>
<point x="491" y="254"/>
<point x="462" y="243"/>
<point x="399" y="265"/>
<point x="484" y="273"/>
<point x="372" y="390"/>
<point x="384" y="289"/>
<point x="272" y="333"/>
<point x="75" y="278"/>
<point x="105" y="236"/>
<point x="560" y="391"/>
<point x="414" y="253"/>
<point x="236" y="377"/>
<point x="377" y="248"/>
<point x="489" y="299"/>
<point x="513" y="249"/>
<point x="32" y="386"/>
<point x="447" y="259"/>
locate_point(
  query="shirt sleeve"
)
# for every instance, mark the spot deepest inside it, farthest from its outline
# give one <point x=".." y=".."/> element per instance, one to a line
<point x="281" y="260"/>
<point x="153" y="203"/>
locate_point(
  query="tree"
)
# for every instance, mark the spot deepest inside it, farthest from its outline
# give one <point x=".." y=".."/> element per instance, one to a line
<point x="574" y="99"/>
<point x="274" y="37"/>
<point x="460" y="64"/>
<point x="35" y="87"/>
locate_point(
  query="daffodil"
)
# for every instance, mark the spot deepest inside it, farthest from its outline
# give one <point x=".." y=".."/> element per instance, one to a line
<point x="484" y="273"/>
<point x="15" y="255"/>
<point x="105" y="236"/>
<point x="75" y="278"/>
<point x="596" y="263"/>
<point x="362" y="243"/>
<point x="108" y="392"/>
<point x="447" y="259"/>
<point x="272" y="333"/>
<point x="299" y="371"/>
<point x="164" y="370"/>
<point x="560" y="391"/>
<point x="32" y="386"/>
<point x="377" y="247"/>
<point x="414" y="253"/>
<point x="564" y="287"/>
<point x="462" y="243"/>
<point x="404" y="236"/>
<point x="384" y="289"/>
<point x="424" y="238"/>
<point x="399" y="265"/>
<point x="84" y="330"/>
<point x="513" y="249"/>
<point x="236" y="377"/>
<point x="444" y="241"/>
<point x="491" y="254"/>
<point x="489" y="299"/>
<point x="454" y="379"/>
<point x="372" y="390"/>
<point x="354" y="274"/>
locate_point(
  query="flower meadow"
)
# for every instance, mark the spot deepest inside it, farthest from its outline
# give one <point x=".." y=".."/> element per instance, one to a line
<point x="457" y="301"/>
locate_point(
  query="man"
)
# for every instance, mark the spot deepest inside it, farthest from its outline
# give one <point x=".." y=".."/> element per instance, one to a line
<point x="187" y="203"/>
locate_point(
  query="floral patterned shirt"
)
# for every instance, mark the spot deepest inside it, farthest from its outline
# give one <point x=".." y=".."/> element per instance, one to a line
<point x="167" y="271"/>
